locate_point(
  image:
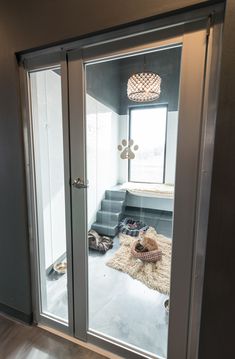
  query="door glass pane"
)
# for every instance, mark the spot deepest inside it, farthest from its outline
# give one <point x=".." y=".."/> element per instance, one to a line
<point x="131" y="160"/>
<point x="50" y="191"/>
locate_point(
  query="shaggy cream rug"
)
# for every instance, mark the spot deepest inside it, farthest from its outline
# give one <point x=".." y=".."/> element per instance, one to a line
<point x="153" y="275"/>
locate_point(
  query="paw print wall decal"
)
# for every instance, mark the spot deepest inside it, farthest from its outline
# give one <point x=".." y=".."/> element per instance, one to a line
<point x="127" y="149"/>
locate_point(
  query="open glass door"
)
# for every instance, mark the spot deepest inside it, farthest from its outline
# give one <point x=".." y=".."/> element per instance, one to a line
<point x="135" y="147"/>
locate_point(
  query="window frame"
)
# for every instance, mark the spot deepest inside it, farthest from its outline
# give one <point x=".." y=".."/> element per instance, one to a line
<point x="144" y="106"/>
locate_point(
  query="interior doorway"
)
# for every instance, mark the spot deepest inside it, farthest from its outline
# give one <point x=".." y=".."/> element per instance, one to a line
<point x="116" y="141"/>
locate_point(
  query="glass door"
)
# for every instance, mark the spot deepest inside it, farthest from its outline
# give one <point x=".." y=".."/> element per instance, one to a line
<point x="135" y="115"/>
<point x="119" y="147"/>
<point x="49" y="199"/>
<point x="130" y="152"/>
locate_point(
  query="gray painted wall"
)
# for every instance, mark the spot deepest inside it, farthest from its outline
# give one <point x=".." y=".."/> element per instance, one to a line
<point x="103" y="83"/>
<point x="25" y="25"/>
<point x="107" y="81"/>
<point x="166" y="63"/>
<point x="217" y="326"/>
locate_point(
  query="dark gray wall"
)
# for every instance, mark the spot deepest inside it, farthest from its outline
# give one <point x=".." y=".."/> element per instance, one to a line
<point x="27" y="24"/>
<point x="217" y="327"/>
<point x="166" y="63"/>
<point x="103" y="83"/>
<point x="107" y="81"/>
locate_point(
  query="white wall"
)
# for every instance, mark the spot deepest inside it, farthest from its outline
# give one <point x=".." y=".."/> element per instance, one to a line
<point x="171" y="144"/>
<point x="48" y="144"/>
<point x="123" y="135"/>
<point x="102" y="153"/>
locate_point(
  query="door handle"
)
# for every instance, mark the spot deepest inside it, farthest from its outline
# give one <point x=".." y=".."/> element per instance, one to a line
<point x="79" y="183"/>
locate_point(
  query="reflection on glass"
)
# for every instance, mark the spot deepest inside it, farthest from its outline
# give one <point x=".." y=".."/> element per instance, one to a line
<point x="49" y="172"/>
<point x="131" y="157"/>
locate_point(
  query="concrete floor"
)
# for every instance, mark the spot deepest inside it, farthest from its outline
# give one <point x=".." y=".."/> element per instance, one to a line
<point x="124" y="308"/>
<point x="119" y="306"/>
<point x="56" y="302"/>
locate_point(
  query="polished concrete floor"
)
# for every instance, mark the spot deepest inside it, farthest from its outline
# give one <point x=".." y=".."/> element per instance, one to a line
<point x="119" y="306"/>
<point x="19" y="341"/>
<point x="124" y="308"/>
<point x="56" y="298"/>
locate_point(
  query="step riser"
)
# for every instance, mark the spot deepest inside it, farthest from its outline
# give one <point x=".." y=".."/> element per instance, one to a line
<point x="105" y="231"/>
<point x="103" y="217"/>
<point x="111" y="206"/>
<point x="115" y="195"/>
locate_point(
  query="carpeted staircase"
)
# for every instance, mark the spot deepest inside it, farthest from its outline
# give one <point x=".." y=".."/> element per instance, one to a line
<point x="110" y="214"/>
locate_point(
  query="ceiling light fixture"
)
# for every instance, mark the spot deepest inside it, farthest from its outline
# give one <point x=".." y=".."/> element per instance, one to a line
<point x="144" y="87"/>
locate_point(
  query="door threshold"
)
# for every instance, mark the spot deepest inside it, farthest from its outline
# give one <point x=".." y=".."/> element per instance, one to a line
<point x="86" y="345"/>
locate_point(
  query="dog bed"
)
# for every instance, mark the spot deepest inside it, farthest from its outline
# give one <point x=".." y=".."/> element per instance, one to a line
<point x="99" y="243"/>
<point x="132" y="227"/>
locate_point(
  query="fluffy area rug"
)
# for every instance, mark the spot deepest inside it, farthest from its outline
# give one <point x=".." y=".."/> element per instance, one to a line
<point x="153" y="275"/>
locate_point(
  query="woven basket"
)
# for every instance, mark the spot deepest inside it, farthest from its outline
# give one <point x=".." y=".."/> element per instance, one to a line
<point x="152" y="256"/>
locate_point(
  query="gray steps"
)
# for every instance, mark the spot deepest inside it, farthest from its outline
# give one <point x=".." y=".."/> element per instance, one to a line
<point x="110" y="229"/>
<point x="107" y="217"/>
<point x="112" y="205"/>
<point x="110" y="214"/>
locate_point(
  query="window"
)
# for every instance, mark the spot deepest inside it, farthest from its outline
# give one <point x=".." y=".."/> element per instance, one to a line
<point x="148" y="131"/>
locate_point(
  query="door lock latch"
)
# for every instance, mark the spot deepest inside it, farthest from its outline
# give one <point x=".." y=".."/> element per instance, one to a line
<point x="79" y="183"/>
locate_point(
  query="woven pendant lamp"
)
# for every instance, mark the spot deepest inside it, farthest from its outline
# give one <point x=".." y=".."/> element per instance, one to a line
<point x="144" y="86"/>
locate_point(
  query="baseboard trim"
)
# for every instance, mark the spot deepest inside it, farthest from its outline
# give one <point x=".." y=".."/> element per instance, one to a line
<point x="17" y="314"/>
<point x="86" y="345"/>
